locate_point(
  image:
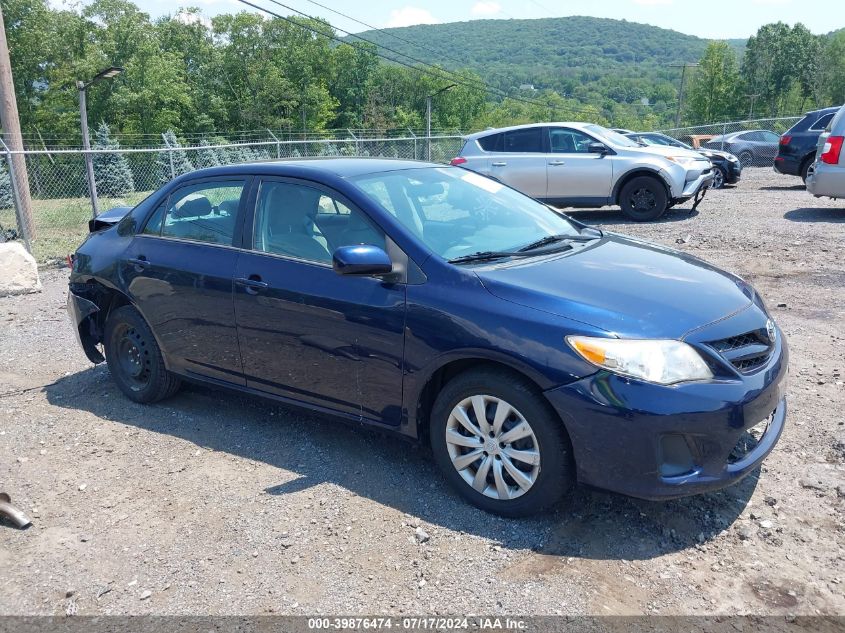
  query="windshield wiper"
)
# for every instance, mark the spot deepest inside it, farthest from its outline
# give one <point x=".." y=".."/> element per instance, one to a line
<point x="551" y="239"/>
<point x="485" y="256"/>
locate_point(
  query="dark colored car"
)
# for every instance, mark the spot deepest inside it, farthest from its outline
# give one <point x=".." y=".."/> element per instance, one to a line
<point x="797" y="149"/>
<point x="754" y="148"/>
<point x="728" y="169"/>
<point x="530" y="350"/>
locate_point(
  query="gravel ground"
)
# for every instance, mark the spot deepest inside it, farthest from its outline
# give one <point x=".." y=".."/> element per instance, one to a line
<point x="214" y="503"/>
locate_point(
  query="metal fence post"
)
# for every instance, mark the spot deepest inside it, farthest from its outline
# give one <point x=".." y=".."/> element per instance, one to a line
<point x="23" y="226"/>
<point x="278" y="144"/>
<point x="357" y="148"/>
<point x="411" y="132"/>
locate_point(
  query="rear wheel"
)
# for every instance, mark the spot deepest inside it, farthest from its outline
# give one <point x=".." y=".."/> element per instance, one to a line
<point x="719" y="177"/>
<point x="805" y="167"/>
<point x="134" y="358"/>
<point x="643" y="198"/>
<point x="499" y="444"/>
<point x="746" y="159"/>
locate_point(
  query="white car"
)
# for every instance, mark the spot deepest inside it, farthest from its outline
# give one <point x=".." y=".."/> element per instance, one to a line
<point x="587" y="165"/>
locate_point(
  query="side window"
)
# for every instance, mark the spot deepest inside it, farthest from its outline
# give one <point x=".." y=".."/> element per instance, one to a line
<point x="748" y="136"/>
<point x="769" y="137"/>
<point x="204" y="212"/>
<point x="302" y="222"/>
<point x="492" y="143"/>
<point x="525" y="140"/>
<point x="566" y="141"/>
<point x="153" y="225"/>
<point x="822" y="122"/>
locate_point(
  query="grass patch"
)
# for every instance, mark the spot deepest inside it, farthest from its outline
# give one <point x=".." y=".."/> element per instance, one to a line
<point x="61" y="224"/>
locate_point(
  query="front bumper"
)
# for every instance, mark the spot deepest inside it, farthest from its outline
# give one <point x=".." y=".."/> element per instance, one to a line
<point x="826" y="180"/>
<point x="661" y="442"/>
<point x="693" y="187"/>
<point x="733" y="172"/>
<point x="80" y="311"/>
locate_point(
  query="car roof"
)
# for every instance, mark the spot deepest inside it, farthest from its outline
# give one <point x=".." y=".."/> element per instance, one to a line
<point x="318" y="166"/>
<point x="823" y="110"/>
<point x="574" y="124"/>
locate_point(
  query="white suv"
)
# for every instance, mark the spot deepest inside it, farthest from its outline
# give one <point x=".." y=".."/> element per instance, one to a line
<point x="587" y="165"/>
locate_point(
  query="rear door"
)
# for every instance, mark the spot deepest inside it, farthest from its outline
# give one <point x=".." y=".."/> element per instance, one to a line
<point x="519" y="160"/>
<point x="307" y="333"/>
<point x="574" y="174"/>
<point x="178" y="271"/>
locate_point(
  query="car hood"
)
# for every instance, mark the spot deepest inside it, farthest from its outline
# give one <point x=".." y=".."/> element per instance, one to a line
<point x="715" y="153"/>
<point x="626" y="287"/>
<point x="664" y="150"/>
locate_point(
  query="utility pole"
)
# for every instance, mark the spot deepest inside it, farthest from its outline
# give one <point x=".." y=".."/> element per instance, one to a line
<point x="10" y="121"/>
<point x="428" y="117"/>
<point x="683" y="68"/>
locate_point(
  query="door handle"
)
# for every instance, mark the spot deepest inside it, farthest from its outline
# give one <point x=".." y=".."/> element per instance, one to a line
<point x="499" y="164"/>
<point x="556" y="163"/>
<point x="140" y="263"/>
<point x="252" y="284"/>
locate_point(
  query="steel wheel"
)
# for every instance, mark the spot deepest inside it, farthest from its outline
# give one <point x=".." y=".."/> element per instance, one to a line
<point x="718" y="178"/>
<point x="492" y="447"/>
<point x="133" y="358"/>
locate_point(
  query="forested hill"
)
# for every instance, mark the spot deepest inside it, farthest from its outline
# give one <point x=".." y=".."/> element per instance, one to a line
<point x="556" y="53"/>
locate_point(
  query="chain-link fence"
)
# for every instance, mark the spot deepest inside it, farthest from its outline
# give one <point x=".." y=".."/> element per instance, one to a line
<point x="754" y="142"/>
<point x="61" y="203"/>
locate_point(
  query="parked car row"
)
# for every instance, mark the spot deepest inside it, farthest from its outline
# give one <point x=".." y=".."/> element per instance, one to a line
<point x="586" y="165"/>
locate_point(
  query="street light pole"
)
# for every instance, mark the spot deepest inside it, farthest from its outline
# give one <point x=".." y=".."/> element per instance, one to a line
<point x="428" y="117"/>
<point x="82" y="87"/>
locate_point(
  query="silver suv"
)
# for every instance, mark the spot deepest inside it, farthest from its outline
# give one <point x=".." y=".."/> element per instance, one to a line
<point x="826" y="177"/>
<point x="587" y="165"/>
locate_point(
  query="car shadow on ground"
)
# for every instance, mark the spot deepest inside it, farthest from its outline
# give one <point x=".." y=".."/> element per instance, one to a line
<point x="597" y="217"/>
<point x="400" y="474"/>
<point x="823" y="214"/>
<point x="799" y="187"/>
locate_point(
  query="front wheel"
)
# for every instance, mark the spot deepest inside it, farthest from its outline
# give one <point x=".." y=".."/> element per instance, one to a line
<point x="643" y="198"/>
<point x="499" y="444"/>
<point x="719" y="177"/>
<point x="134" y="358"/>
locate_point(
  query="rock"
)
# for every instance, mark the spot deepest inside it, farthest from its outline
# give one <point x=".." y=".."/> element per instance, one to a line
<point x="85" y="538"/>
<point x="745" y="533"/>
<point x="82" y="487"/>
<point x="69" y="593"/>
<point x="18" y="270"/>
<point x="770" y="501"/>
<point x="421" y="535"/>
<point x="146" y="594"/>
<point x="766" y="524"/>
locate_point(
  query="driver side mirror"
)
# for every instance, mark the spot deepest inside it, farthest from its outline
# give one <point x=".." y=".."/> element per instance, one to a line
<point x="597" y="148"/>
<point x="361" y="260"/>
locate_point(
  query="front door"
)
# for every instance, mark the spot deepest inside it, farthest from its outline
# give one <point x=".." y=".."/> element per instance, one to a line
<point x="305" y="332"/>
<point x="574" y="174"/>
<point x="178" y="272"/>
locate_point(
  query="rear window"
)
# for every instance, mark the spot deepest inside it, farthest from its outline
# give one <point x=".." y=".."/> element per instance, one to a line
<point x="527" y="140"/>
<point x="823" y="121"/>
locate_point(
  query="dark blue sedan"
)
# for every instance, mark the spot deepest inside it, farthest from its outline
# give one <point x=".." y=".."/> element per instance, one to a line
<point x="533" y="352"/>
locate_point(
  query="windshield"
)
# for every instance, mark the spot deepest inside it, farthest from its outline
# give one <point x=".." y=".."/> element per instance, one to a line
<point x="615" y="138"/>
<point x="456" y="212"/>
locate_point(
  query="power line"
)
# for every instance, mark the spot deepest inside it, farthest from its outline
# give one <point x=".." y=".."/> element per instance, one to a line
<point x="440" y="72"/>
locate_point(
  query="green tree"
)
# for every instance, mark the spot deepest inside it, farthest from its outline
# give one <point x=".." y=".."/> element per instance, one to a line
<point x="111" y="171"/>
<point x="715" y="87"/>
<point x="6" y="198"/>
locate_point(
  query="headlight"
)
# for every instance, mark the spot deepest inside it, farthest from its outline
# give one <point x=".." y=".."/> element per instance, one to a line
<point x="662" y="361"/>
<point x="684" y="161"/>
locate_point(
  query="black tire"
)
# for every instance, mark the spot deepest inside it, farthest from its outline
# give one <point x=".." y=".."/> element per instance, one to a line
<point x="746" y="159"/>
<point x="555" y="466"/>
<point x="719" y="178"/>
<point x="643" y="198"/>
<point x="134" y="358"/>
<point x="805" y="167"/>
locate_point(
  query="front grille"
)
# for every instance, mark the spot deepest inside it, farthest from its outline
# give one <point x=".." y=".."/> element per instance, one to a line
<point x="746" y="352"/>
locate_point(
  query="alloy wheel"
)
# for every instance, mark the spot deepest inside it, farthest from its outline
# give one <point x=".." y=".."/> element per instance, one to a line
<point x="643" y="199"/>
<point x="718" y="179"/>
<point x="493" y="447"/>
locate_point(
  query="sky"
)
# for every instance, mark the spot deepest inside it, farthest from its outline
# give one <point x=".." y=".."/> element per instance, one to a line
<point x="712" y="19"/>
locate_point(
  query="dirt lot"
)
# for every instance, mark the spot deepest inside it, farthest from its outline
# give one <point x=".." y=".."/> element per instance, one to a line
<point x="218" y="504"/>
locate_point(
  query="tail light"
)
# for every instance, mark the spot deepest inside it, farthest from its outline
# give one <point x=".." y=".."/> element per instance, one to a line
<point x="785" y="140"/>
<point x="458" y="160"/>
<point x="831" y="150"/>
